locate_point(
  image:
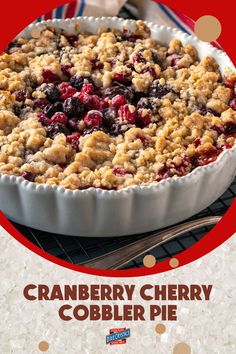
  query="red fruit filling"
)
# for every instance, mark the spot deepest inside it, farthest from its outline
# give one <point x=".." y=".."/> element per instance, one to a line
<point x="73" y="139"/>
<point x="49" y="76"/>
<point x="66" y="69"/>
<point x="197" y="142"/>
<point x="118" y="100"/>
<point x="230" y="82"/>
<point x="145" y="118"/>
<point x="93" y="119"/>
<point x="232" y="104"/>
<point x="59" y="118"/>
<point x="127" y="115"/>
<point x="66" y="90"/>
<point x="123" y="78"/>
<point x="87" y="88"/>
<point x="43" y="119"/>
<point x="93" y="101"/>
<point x="119" y="171"/>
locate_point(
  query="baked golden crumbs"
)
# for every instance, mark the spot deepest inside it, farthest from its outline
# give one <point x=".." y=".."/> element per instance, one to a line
<point x="110" y="110"/>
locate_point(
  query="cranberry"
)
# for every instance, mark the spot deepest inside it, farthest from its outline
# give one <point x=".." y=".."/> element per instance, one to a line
<point x="231" y="81"/>
<point x="52" y="108"/>
<point x="152" y="72"/>
<point x="40" y="103"/>
<point x="73" y="107"/>
<point x="138" y="58"/>
<point x="56" y="128"/>
<point x="118" y="100"/>
<point x="87" y="88"/>
<point x="226" y="146"/>
<point x="93" y="101"/>
<point x="66" y="90"/>
<point x="73" y="139"/>
<point x="52" y="93"/>
<point x="77" y="81"/>
<point x="119" y="171"/>
<point x="158" y="90"/>
<point x="20" y="95"/>
<point x="123" y="78"/>
<point x="66" y="69"/>
<point x="93" y="119"/>
<point x="59" y="118"/>
<point x="127" y="115"/>
<point x="73" y="124"/>
<point x="29" y="176"/>
<point x="49" y="76"/>
<point x="109" y="116"/>
<point x="144" y="118"/>
<point x="43" y="119"/>
<point x="197" y="142"/>
<point x="232" y="104"/>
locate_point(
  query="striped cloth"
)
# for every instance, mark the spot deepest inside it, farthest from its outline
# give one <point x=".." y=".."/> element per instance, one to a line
<point x="148" y="10"/>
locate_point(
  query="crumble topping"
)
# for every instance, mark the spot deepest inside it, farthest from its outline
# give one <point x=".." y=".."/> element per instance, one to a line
<point x="110" y="110"/>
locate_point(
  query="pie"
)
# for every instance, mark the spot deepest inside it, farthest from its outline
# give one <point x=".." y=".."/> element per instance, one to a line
<point x="110" y="110"/>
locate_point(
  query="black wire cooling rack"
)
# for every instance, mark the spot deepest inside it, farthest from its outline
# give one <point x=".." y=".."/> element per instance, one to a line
<point x="80" y="249"/>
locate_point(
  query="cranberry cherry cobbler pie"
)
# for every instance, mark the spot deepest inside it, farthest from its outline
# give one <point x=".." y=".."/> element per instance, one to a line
<point x="110" y="110"/>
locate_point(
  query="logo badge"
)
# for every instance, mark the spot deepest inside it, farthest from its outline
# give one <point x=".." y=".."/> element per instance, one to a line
<point x="117" y="336"/>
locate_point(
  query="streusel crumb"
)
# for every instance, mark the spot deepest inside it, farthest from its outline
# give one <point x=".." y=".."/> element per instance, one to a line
<point x="111" y="110"/>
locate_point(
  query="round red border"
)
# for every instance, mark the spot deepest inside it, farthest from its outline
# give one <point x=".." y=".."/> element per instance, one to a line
<point x="18" y="16"/>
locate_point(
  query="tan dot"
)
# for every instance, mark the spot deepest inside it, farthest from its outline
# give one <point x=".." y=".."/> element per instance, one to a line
<point x="43" y="346"/>
<point x="35" y="33"/>
<point x="182" y="348"/>
<point x="149" y="261"/>
<point x="174" y="262"/>
<point x="207" y="28"/>
<point x="160" y="328"/>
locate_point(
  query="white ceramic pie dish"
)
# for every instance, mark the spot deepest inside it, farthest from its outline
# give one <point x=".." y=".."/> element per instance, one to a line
<point x="97" y="212"/>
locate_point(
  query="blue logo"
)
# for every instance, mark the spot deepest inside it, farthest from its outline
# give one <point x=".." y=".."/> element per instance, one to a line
<point x="117" y="336"/>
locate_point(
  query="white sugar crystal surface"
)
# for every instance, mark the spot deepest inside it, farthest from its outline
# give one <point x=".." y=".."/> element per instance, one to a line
<point x="207" y="327"/>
